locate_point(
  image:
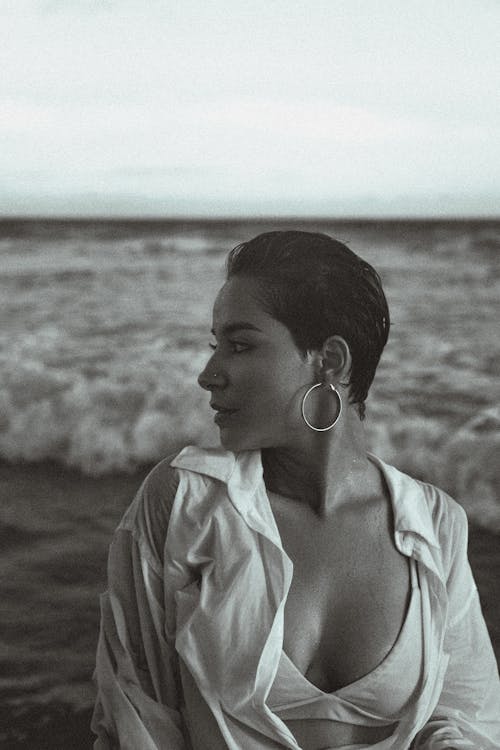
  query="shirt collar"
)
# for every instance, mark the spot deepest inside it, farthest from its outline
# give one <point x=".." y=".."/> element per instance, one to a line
<point x="411" y="511"/>
<point x="213" y="462"/>
<point x="242" y="473"/>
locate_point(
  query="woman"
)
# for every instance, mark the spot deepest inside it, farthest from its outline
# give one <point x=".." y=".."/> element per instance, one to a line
<point x="290" y="590"/>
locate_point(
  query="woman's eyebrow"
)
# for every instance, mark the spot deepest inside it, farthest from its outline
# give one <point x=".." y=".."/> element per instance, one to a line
<point x="237" y="326"/>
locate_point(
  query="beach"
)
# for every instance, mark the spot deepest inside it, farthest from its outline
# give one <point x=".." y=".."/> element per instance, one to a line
<point x="106" y="328"/>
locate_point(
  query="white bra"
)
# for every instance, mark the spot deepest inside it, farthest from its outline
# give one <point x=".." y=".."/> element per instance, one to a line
<point x="378" y="698"/>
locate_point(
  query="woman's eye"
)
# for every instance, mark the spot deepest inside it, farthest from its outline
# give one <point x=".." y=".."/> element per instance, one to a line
<point x="238" y="347"/>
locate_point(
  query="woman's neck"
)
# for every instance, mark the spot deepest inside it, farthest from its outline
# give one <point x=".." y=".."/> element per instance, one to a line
<point x="324" y="470"/>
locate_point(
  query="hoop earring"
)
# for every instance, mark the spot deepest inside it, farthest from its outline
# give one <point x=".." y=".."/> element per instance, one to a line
<point x="311" y="426"/>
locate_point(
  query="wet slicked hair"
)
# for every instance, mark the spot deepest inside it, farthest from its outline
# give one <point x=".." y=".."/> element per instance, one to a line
<point x="318" y="288"/>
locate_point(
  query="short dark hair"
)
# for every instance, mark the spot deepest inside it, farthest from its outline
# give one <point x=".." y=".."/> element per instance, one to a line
<point x="317" y="287"/>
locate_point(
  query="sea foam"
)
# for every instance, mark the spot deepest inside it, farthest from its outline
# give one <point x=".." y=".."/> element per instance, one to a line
<point x="106" y="329"/>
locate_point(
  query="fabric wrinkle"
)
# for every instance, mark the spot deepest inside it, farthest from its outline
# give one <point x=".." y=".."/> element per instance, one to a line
<point x="220" y="532"/>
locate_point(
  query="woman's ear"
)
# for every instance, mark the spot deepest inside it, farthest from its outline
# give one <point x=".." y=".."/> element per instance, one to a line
<point x="336" y="360"/>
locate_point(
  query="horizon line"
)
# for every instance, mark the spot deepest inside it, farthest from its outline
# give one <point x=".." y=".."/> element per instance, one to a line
<point x="248" y="217"/>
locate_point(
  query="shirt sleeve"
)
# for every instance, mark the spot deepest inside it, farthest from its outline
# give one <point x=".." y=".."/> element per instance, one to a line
<point x="467" y="716"/>
<point x="139" y="697"/>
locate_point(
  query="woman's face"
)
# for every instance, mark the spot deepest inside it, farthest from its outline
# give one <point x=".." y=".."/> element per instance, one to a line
<point x="256" y="375"/>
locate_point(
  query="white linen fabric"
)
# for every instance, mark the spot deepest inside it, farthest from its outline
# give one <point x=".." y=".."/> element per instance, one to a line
<point x="192" y="621"/>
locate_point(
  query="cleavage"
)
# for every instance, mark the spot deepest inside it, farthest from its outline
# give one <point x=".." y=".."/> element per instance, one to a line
<point x="347" y="600"/>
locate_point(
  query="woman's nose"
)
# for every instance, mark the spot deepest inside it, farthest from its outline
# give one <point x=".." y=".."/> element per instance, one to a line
<point x="209" y="378"/>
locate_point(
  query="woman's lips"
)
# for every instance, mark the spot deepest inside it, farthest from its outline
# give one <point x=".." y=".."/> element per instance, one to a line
<point x="223" y="415"/>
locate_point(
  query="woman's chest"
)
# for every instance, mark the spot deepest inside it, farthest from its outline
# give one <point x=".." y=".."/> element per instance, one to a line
<point x="348" y="597"/>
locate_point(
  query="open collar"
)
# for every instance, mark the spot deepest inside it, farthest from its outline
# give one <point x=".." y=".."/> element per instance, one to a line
<point x="412" y="514"/>
<point x="243" y="474"/>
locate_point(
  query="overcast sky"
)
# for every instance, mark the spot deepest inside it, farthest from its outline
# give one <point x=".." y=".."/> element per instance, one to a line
<point x="371" y="107"/>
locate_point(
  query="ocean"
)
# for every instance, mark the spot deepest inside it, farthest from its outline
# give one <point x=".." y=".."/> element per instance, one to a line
<point x="105" y="329"/>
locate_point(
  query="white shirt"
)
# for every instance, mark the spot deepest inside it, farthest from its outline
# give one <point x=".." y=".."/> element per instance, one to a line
<point x="197" y="584"/>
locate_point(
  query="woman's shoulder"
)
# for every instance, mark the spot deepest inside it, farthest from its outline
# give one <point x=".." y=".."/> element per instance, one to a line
<point x="148" y="515"/>
<point x="427" y="509"/>
<point x="417" y="497"/>
<point x="448" y="516"/>
<point x="445" y="521"/>
<point x="160" y="485"/>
